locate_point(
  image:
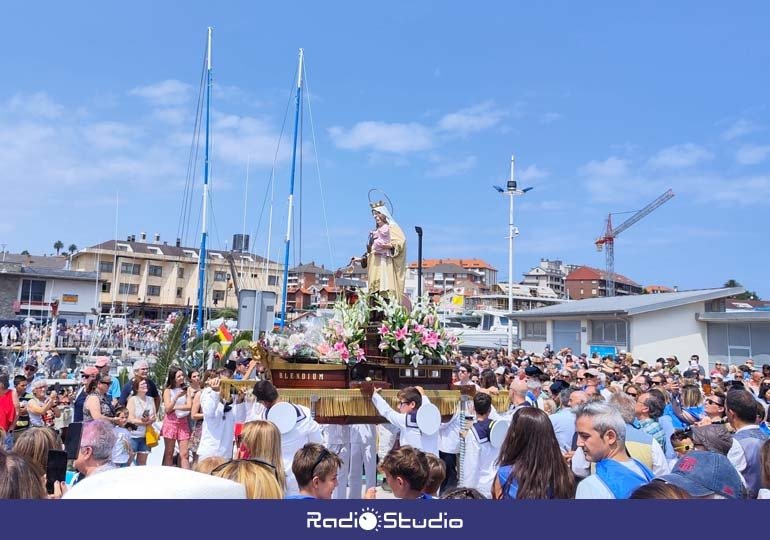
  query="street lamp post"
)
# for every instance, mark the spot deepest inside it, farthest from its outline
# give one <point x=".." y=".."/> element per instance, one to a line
<point x="511" y="191"/>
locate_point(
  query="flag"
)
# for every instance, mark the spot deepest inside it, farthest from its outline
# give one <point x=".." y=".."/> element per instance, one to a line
<point x="224" y="334"/>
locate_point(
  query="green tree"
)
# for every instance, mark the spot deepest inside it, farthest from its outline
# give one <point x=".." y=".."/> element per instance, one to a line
<point x="25" y="252"/>
<point x="72" y="249"/>
<point x="227" y="313"/>
<point x="58" y="246"/>
<point x="747" y="295"/>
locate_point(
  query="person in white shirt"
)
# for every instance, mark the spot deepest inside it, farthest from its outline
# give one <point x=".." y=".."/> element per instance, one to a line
<point x="219" y="417"/>
<point x="410" y="399"/>
<point x="306" y="430"/>
<point x="478" y="468"/>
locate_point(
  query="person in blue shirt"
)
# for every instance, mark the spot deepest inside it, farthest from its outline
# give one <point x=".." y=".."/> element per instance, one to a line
<point x="315" y="468"/>
<point x="406" y="470"/>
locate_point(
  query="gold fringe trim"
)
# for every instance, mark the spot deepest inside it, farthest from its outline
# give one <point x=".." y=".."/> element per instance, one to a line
<point x="340" y="403"/>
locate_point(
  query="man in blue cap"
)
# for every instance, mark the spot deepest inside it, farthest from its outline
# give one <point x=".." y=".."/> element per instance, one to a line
<point x="706" y="475"/>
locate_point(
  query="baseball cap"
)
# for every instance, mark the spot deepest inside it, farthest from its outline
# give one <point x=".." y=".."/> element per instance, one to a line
<point x="533" y="371"/>
<point x="593" y="372"/>
<point x="102" y="361"/>
<point x="90" y="371"/>
<point x="558" y="386"/>
<point x="706" y="473"/>
<point x="244" y="361"/>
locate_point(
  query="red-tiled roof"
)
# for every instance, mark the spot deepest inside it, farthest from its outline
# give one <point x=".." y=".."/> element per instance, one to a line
<point x="587" y="273"/>
<point x="464" y="263"/>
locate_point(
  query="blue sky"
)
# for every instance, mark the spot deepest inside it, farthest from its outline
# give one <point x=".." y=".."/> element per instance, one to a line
<point x="604" y="104"/>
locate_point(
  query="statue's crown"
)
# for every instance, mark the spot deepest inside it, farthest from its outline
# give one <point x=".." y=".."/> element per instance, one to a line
<point x="377" y="204"/>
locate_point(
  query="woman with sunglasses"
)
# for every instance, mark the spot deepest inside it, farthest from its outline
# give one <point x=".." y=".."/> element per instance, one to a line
<point x="42" y="408"/>
<point x="97" y="405"/>
<point x="261" y="439"/>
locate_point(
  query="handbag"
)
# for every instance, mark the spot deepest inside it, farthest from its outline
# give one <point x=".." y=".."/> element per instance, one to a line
<point x="151" y="437"/>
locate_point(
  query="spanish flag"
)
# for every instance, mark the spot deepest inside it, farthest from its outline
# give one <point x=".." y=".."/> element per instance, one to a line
<point x="224" y="334"/>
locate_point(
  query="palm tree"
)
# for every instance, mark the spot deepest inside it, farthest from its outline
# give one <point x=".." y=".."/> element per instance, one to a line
<point x="72" y="249"/>
<point x="58" y="245"/>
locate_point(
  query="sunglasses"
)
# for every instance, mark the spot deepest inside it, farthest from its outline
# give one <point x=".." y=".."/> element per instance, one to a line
<point x="712" y="402"/>
<point x="251" y="460"/>
<point x="632" y="394"/>
<point x="322" y="456"/>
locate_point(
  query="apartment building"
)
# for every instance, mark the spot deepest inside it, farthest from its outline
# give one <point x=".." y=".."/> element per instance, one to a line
<point x="152" y="278"/>
<point x="548" y="274"/>
<point x="588" y="282"/>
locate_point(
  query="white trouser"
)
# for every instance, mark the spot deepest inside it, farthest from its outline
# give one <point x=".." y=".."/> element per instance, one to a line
<point x="343" y="452"/>
<point x="363" y="458"/>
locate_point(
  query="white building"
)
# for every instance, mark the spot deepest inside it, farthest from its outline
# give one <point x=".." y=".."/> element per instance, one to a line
<point x="652" y="326"/>
<point x="548" y="274"/>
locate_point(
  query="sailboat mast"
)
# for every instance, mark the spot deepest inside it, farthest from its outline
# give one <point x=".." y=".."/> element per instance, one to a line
<point x="291" y="192"/>
<point x="204" y="231"/>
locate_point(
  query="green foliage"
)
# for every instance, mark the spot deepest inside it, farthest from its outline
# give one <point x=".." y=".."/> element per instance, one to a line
<point x="123" y="376"/>
<point x="58" y="245"/>
<point x="227" y="313"/>
<point x="170" y="352"/>
<point x="748" y="295"/>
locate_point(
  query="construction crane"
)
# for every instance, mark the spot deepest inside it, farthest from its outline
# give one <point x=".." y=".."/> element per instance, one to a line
<point x="607" y="241"/>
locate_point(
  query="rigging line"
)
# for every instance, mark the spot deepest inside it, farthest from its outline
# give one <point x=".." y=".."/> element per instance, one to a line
<point x="301" y="206"/>
<point x="192" y="158"/>
<point x="196" y="160"/>
<point x="318" y="167"/>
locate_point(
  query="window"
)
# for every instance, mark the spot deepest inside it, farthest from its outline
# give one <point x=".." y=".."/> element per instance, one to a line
<point x="153" y="290"/>
<point x="272" y="281"/>
<point x="106" y="286"/>
<point x="593" y="291"/>
<point x="609" y="332"/>
<point x="180" y="272"/>
<point x="179" y="291"/>
<point x="581" y="291"/>
<point x="219" y="296"/>
<point x="534" y="330"/>
<point x="105" y="266"/>
<point x="128" y="288"/>
<point x="129" y="268"/>
<point x="220" y="276"/>
<point x="32" y="290"/>
<point x="155" y="270"/>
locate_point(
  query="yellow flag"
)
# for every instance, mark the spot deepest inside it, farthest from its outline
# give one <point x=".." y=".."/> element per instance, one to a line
<point x="458" y="300"/>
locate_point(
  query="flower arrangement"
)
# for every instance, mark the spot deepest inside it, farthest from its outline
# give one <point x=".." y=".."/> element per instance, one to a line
<point x="344" y="333"/>
<point x="415" y="335"/>
<point x="298" y="344"/>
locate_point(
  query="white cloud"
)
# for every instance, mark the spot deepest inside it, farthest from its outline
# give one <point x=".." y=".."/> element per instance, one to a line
<point x="612" y="167"/>
<point x="453" y="167"/>
<point x="550" y="117"/>
<point x="37" y="105"/>
<point x="680" y="156"/>
<point x="751" y="154"/>
<point x="533" y="172"/>
<point x="738" y="129"/>
<point x="166" y="93"/>
<point x="383" y="137"/>
<point x="473" y="119"/>
<point x="109" y="135"/>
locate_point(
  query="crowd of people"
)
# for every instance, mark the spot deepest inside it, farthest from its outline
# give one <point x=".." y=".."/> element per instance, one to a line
<point x="142" y="337"/>
<point x="575" y="427"/>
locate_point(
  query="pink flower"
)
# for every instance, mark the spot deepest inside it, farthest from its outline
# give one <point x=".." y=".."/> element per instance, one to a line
<point x="345" y="354"/>
<point x="383" y="330"/>
<point x="324" y="349"/>
<point x="419" y="328"/>
<point x="360" y="354"/>
<point x="401" y="333"/>
<point x="431" y="339"/>
<point x="383" y="346"/>
<point x="339" y="347"/>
